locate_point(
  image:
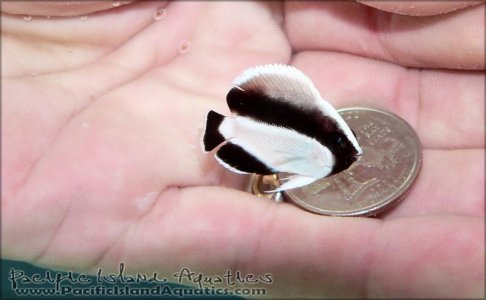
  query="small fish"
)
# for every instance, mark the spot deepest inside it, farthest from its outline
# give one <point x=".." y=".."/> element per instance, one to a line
<point x="280" y="123"/>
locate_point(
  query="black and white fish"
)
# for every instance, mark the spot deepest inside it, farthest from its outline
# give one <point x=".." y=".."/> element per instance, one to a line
<point x="280" y="123"/>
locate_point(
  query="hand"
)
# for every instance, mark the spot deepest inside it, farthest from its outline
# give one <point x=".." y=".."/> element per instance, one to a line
<point x="101" y="126"/>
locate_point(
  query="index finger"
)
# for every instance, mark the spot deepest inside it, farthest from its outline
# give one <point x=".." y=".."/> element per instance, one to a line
<point x="454" y="40"/>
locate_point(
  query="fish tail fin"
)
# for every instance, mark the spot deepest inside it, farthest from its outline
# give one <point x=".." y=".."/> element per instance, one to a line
<point x="212" y="137"/>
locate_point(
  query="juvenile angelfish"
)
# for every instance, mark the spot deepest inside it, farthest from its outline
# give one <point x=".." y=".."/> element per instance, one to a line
<point x="280" y="123"/>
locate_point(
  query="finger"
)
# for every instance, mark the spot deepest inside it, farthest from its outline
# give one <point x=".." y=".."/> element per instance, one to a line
<point x="444" y="107"/>
<point x="58" y="8"/>
<point x="212" y="230"/>
<point x="44" y="46"/>
<point x="422" y="8"/>
<point x="416" y="255"/>
<point x="450" y="182"/>
<point x="454" y="40"/>
<point x="220" y="230"/>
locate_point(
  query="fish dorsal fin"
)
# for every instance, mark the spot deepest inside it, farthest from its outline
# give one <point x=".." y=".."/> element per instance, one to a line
<point x="281" y="82"/>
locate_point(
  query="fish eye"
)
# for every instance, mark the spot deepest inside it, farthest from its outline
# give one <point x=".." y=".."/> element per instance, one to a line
<point x="341" y="142"/>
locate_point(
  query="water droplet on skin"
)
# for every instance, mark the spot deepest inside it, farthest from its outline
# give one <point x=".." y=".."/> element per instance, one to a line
<point x="184" y="47"/>
<point x="27" y="18"/>
<point x="115" y="3"/>
<point x="84" y="18"/>
<point x="160" y="14"/>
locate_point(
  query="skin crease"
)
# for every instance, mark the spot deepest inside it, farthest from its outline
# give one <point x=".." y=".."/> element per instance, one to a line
<point x="102" y="119"/>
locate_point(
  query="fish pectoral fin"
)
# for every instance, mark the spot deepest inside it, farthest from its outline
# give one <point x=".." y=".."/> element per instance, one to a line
<point x="294" y="181"/>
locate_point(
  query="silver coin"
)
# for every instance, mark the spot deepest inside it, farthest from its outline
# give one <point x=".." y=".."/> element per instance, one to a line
<point x="390" y="163"/>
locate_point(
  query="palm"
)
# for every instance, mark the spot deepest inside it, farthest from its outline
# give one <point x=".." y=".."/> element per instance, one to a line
<point x="104" y="164"/>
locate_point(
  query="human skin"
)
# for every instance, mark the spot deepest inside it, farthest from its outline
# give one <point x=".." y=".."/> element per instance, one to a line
<point x="102" y="119"/>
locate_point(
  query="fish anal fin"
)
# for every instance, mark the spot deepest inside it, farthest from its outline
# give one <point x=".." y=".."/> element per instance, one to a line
<point x="294" y="181"/>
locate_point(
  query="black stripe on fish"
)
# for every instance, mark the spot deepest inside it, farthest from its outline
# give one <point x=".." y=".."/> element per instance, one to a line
<point x="236" y="157"/>
<point x="307" y="120"/>
<point x="256" y="105"/>
<point x="212" y="137"/>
